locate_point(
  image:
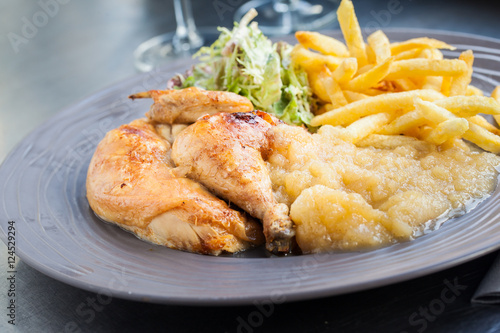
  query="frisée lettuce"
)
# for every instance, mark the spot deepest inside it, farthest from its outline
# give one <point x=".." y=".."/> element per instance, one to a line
<point x="246" y="62"/>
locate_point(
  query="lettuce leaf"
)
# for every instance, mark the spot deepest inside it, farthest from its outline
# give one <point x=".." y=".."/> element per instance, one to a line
<point x="246" y="62"/>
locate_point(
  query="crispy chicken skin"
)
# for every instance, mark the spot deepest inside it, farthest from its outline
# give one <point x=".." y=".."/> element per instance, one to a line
<point x="131" y="182"/>
<point x="226" y="152"/>
<point x="186" y="105"/>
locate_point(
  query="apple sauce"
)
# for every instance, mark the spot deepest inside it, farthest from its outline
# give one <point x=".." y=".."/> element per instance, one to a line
<point x="355" y="197"/>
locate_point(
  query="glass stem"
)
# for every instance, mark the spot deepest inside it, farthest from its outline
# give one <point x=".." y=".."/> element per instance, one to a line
<point x="186" y="35"/>
<point x="282" y="6"/>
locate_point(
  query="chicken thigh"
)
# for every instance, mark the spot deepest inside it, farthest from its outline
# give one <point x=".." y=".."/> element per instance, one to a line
<point x="131" y="182"/>
<point x="226" y="152"/>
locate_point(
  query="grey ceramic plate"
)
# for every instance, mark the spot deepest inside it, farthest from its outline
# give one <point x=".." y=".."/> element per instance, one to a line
<point x="43" y="191"/>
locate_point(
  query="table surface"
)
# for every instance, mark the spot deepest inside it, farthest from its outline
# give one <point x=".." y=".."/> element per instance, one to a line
<point x="80" y="47"/>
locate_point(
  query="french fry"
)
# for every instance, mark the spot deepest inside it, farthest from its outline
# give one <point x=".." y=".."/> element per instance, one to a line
<point x="404" y="84"/>
<point x="312" y="61"/>
<point x="381" y="141"/>
<point x="352" y="96"/>
<point x="459" y="83"/>
<point x="389" y="103"/>
<point x="332" y="89"/>
<point x="447" y="130"/>
<point x="446" y="85"/>
<point x="321" y="43"/>
<point x="474" y="91"/>
<point x="315" y="81"/>
<point x="433" y="82"/>
<point x="365" y="69"/>
<point x="433" y="112"/>
<point x="496" y="95"/>
<point x="404" y="123"/>
<point x="481" y="121"/>
<point x="456" y="143"/>
<point x="425" y="54"/>
<point x="370" y="55"/>
<point x="346" y="70"/>
<point x="431" y="54"/>
<point x="468" y="106"/>
<point x="411" y="54"/>
<point x="352" y="32"/>
<point x="421" y="42"/>
<point x="436" y="54"/>
<point x="421" y="132"/>
<point x="364" y="127"/>
<point x="369" y="78"/>
<point x="417" y="82"/>
<point x="380" y="45"/>
<point x="482" y="138"/>
<point x="382" y="88"/>
<point x="475" y="134"/>
<point x="424" y="67"/>
<point x="324" y="108"/>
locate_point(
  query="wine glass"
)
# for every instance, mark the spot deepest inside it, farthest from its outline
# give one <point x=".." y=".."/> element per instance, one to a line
<point x="282" y="17"/>
<point x="185" y="41"/>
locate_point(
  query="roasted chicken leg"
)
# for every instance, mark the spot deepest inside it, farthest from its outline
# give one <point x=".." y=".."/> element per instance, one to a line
<point x="131" y="182"/>
<point x="226" y="152"/>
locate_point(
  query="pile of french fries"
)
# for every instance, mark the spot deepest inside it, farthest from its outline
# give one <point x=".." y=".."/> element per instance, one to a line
<point x="379" y="90"/>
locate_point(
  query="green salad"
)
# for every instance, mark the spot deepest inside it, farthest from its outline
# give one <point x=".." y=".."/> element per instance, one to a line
<point x="246" y="62"/>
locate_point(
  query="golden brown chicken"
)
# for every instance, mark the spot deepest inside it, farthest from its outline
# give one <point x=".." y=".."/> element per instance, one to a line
<point x="131" y="182"/>
<point x="186" y="105"/>
<point x="226" y="152"/>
